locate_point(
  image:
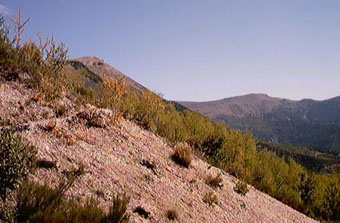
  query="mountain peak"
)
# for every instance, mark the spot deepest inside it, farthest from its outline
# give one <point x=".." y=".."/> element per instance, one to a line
<point x="90" y="60"/>
<point x="98" y="67"/>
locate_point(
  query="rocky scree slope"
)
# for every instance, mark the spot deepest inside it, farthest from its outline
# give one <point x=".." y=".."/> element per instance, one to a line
<point x="115" y="157"/>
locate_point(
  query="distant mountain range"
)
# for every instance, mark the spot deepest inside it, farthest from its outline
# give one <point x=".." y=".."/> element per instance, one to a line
<point x="315" y="124"/>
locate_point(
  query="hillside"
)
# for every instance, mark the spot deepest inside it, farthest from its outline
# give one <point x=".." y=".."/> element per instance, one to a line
<point x="115" y="159"/>
<point x="310" y="123"/>
<point x="75" y="136"/>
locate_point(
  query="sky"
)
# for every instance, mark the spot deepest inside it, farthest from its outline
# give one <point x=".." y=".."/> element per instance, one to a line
<point x="201" y="50"/>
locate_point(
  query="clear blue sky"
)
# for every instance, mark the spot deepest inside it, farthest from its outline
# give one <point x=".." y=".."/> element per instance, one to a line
<point x="202" y="50"/>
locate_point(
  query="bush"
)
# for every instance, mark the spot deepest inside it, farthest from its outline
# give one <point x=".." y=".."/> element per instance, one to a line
<point x="17" y="159"/>
<point x="241" y="188"/>
<point x="182" y="154"/>
<point x="117" y="212"/>
<point x="40" y="203"/>
<point x="214" y="181"/>
<point x="210" y="198"/>
<point x="72" y="211"/>
<point x="33" y="200"/>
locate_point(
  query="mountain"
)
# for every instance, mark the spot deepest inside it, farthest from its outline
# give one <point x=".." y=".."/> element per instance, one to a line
<point x="315" y="124"/>
<point x="96" y="70"/>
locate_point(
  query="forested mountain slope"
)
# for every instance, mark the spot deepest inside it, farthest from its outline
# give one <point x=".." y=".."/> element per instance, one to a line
<point x="315" y="124"/>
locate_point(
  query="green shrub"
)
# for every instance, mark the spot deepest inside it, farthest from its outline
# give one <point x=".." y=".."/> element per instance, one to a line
<point x="17" y="159"/>
<point x="241" y="188"/>
<point x="34" y="200"/>
<point x="117" y="212"/>
<point x="182" y="154"/>
<point x="40" y="203"/>
<point x="210" y="198"/>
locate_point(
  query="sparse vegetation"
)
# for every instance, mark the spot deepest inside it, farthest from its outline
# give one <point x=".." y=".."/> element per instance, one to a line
<point x="210" y="198"/>
<point x="241" y="188"/>
<point x="214" y="181"/>
<point x="44" y="62"/>
<point x="182" y="154"/>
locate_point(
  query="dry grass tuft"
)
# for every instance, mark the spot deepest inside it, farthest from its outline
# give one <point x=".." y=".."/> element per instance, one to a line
<point x="182" y="154"/>
<point x="215" y="181"/>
